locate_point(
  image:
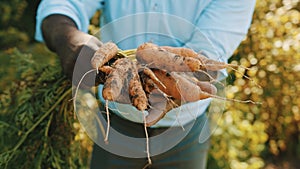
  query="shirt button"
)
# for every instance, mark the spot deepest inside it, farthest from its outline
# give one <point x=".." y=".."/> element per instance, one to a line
<point x="155" y="6"/>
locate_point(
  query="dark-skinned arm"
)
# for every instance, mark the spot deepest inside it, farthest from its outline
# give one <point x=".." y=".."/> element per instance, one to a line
<point x="61" y="36"/>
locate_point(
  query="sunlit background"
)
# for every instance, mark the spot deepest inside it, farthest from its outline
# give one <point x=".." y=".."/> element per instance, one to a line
<point x="37" y="124"/>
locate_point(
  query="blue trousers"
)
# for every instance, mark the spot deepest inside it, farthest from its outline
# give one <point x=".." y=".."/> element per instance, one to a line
<point x="187" y="154"/>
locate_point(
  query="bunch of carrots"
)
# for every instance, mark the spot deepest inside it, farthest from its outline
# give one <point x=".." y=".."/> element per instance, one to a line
<point x="158" y="79"/>
<point x="159" y="75"/>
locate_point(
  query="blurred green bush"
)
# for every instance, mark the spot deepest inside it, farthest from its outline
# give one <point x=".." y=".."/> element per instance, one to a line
<point x="17" y="22"/>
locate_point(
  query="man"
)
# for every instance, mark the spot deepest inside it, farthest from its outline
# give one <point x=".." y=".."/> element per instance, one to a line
<point x="215" y="27"/>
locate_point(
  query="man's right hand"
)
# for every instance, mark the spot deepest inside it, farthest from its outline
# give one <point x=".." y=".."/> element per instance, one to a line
<point x="72" y="46"/>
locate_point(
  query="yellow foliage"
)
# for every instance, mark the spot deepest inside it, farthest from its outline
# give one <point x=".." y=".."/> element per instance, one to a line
<point x="271" y="51"/>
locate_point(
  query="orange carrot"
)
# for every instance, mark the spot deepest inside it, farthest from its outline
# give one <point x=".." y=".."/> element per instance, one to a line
<point x="179" y="87"/>
<point x="148" y="85"/>
<point x="205" y="86"/>
<point x="143" y="70"/>
<point x="106" y="52"/>
<point x="136" y="92"/>
<point x="155" y="57"/>
<point x="208" y="64"/>
<point x="123" y="85"/>
<point x="106" y="69"/>
<point x="181" y="51"/>
<point x="112" y="88"/>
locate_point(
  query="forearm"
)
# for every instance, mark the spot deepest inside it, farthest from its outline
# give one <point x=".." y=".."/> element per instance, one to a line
<point x="59" y="33"/>
<point x="72" y="46"/>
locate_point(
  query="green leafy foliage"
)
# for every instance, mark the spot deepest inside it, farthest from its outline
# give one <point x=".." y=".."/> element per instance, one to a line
<point x="11" y="13"/>
<point x="17" y="22"/>
<point x="37" y="125"/>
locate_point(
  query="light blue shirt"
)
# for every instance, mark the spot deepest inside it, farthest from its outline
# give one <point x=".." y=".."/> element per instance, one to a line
<point x="215" y="27"/>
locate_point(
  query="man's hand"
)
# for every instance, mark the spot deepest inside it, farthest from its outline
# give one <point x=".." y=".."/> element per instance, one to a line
<point x="72" y="46"/>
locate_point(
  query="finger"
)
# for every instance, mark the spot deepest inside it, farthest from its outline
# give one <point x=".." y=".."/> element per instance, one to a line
<point x="159" y="106"/>
<point x="207" y="87"/>
<point x="94" y="43"/>
<point x="205" y="75"/>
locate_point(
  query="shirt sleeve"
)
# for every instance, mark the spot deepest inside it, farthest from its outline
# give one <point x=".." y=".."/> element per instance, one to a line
<point x="221" y="27"/>
<point x="80" y="11"/>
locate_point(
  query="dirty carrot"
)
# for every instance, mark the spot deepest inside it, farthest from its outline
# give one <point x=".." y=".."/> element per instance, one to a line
<point x="115" y="80"/>
<point x="208" y="64"/>
<point x="106" y="69"/>
<point x="148" y="72"/>
<point x="155" y="57"/>
<point x="136" y="92"/>
<point x="179" y="87"/>
<point x="106" y="52"/>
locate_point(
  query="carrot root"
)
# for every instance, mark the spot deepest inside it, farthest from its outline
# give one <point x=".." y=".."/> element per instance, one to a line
<point x="147" y="141"/>
<point x="108" y="122"/>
